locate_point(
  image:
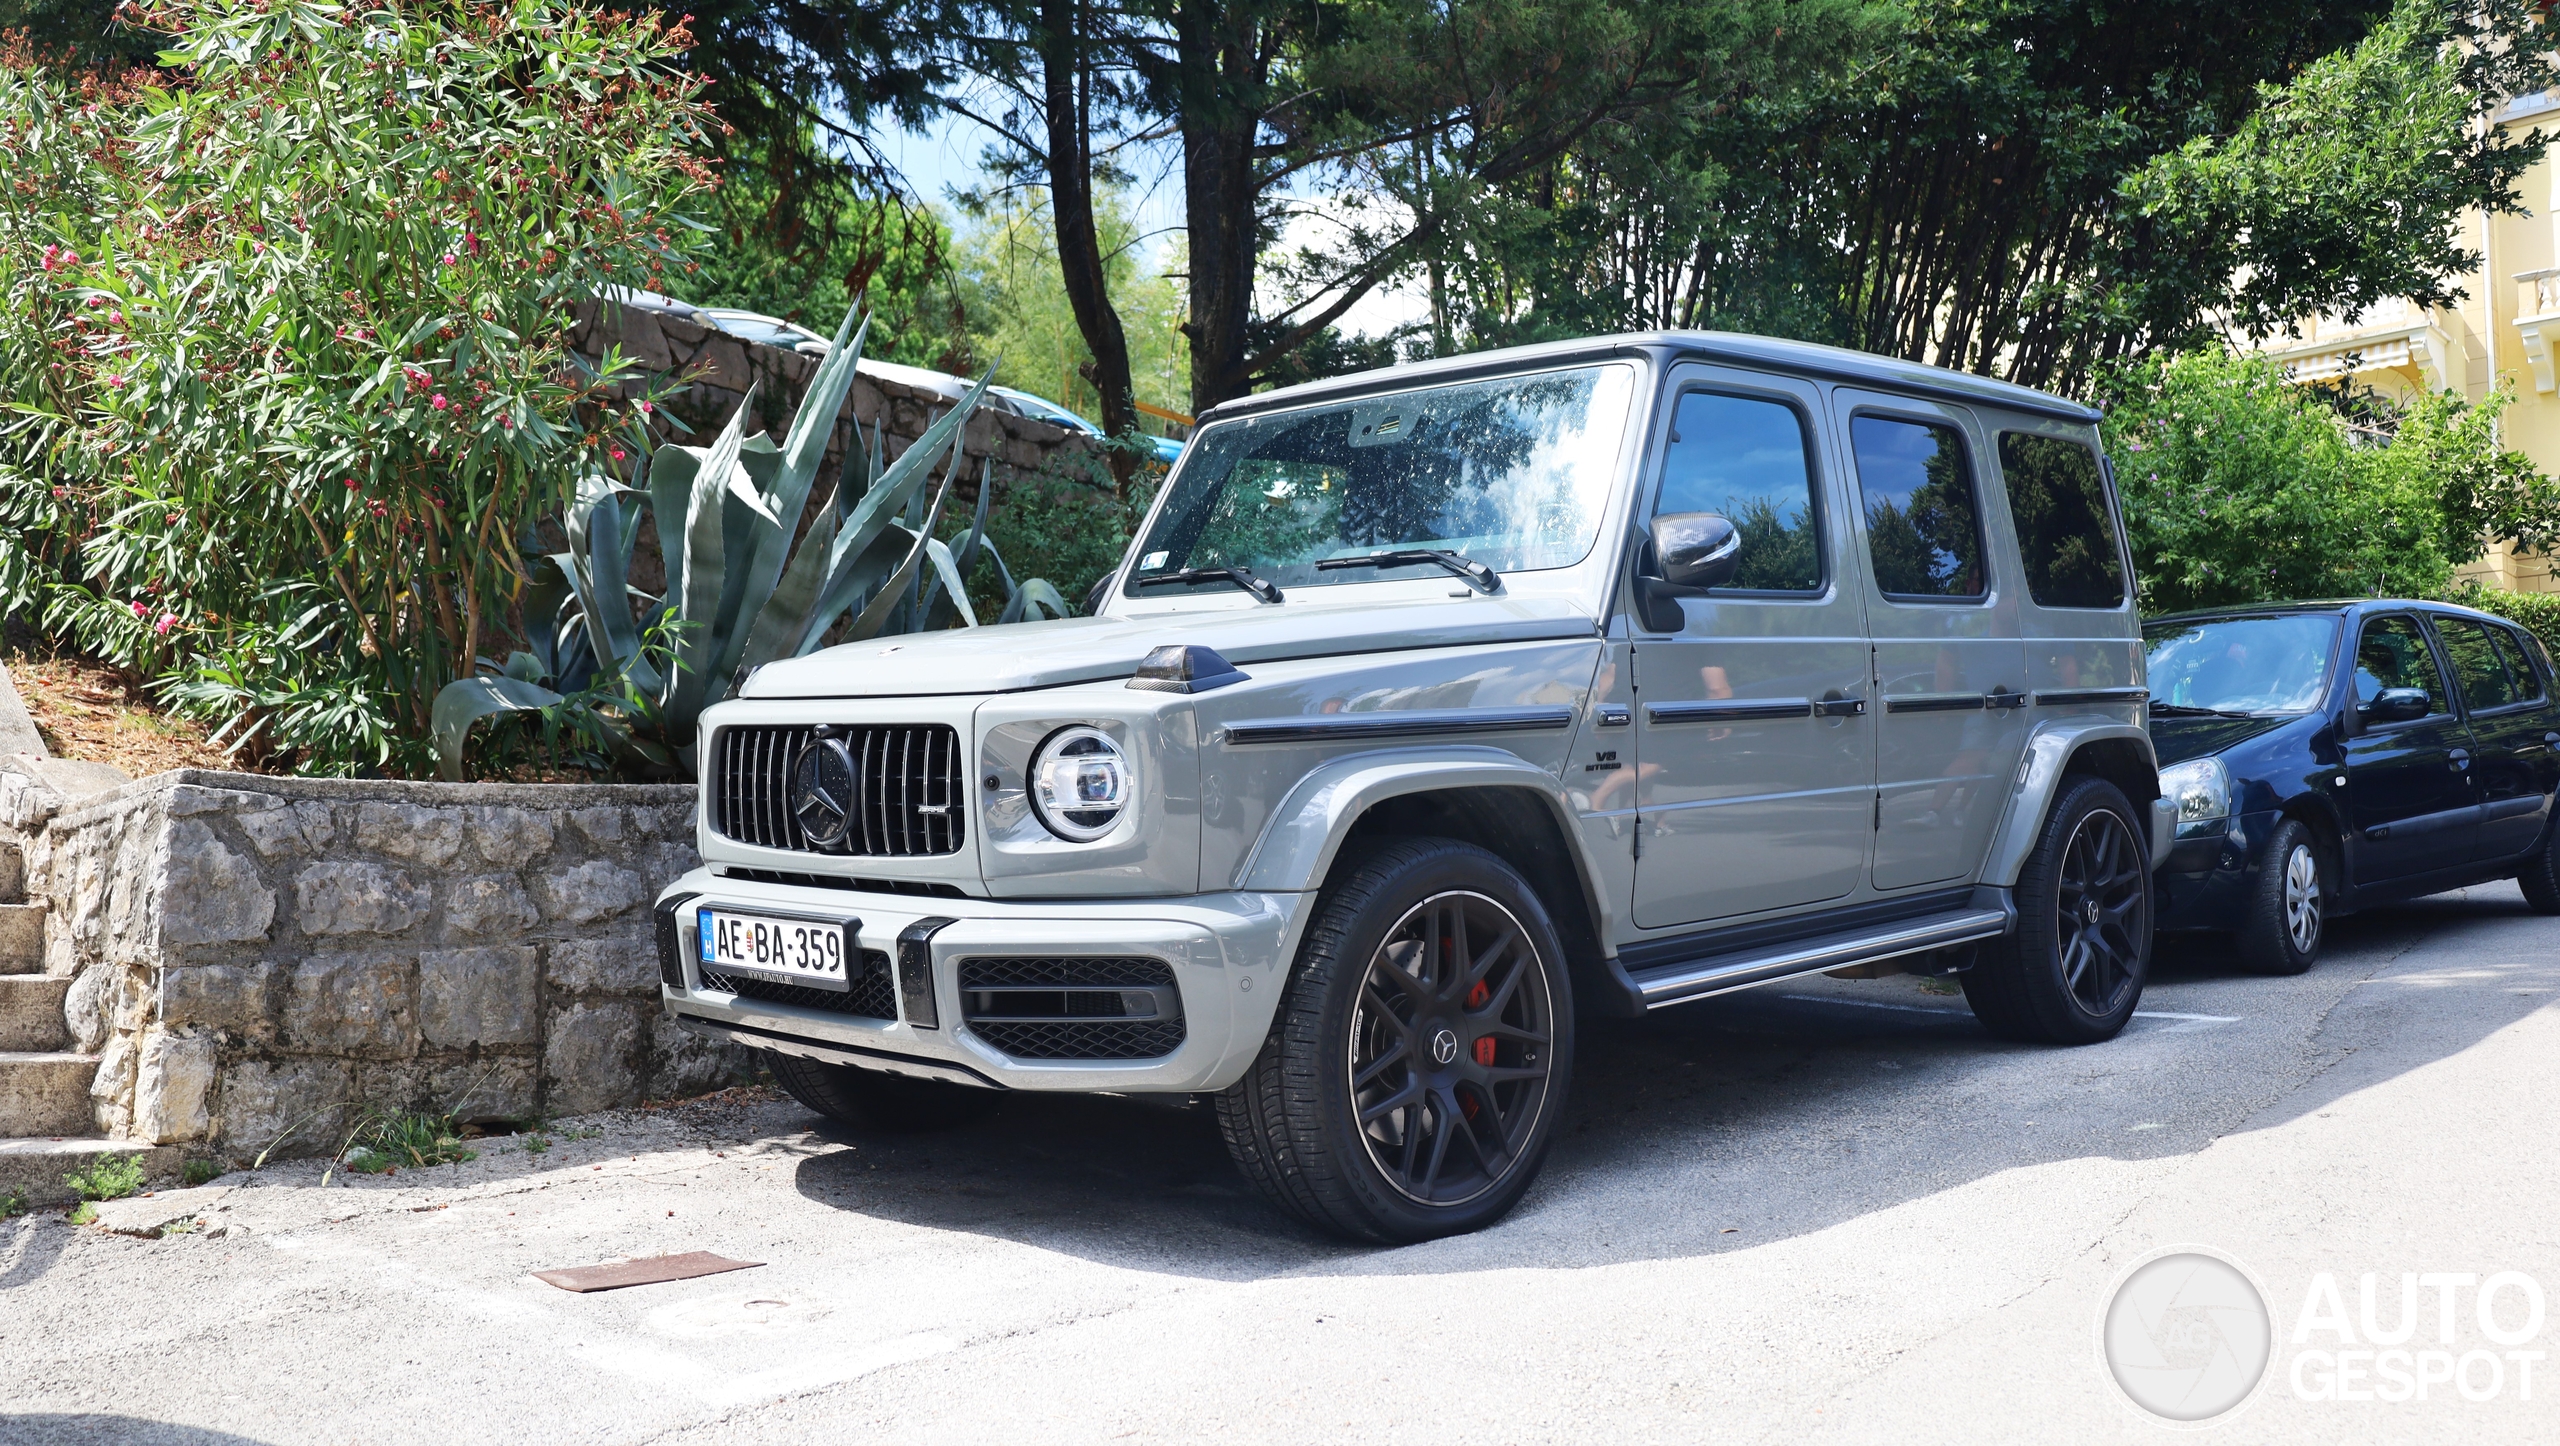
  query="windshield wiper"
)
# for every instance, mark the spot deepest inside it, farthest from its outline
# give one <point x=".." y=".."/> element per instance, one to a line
<point x="1478" y="576"/>
<point x="2189" y="710"/>
<point x="1236" y="575"/>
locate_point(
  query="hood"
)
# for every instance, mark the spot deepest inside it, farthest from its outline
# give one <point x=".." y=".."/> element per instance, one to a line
<point x="1018" y="656"/>
<point x="2178" y="739"/>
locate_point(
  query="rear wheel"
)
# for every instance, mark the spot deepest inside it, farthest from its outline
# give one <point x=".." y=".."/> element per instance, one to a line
<point x="1412" y="1081"/>
<point x="2540" y="876"/>
<point x="870" y="1100"/>
<point x="2073" y="969"/>
<point x="2290" y="910"/>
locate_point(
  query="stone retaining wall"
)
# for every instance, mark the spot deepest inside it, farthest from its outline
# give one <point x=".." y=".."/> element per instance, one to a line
<point x="255" y="954"/>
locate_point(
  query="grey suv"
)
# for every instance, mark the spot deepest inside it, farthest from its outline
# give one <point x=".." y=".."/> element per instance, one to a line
<point x="1433" y="709"/>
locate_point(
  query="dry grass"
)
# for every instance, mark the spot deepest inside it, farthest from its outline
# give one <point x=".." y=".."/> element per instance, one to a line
<point x="95" y="714"/>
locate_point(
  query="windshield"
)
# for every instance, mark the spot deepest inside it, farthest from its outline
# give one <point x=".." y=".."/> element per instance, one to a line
<point x="1512" y="473"/>
<point x="2242" y="665"/>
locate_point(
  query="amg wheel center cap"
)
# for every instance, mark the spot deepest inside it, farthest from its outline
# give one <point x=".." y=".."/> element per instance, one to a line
<point x="1444" y="1046"/>
<point x="2089" y="911"/>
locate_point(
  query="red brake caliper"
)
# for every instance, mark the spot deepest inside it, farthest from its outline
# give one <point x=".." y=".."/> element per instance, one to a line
<point x="1476" y="998"/>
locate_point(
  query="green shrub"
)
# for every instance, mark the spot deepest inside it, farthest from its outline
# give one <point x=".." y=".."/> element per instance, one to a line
<point x="197" y="1172"/>
<point x="2240" y="485"/>
<point x="109" y="1177"/>
<point x="285" y="341"/>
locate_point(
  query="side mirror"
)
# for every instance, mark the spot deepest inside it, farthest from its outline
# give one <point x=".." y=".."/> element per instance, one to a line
<point x="1100" y="590"/>
<point x="1696" y="550"/>
<point x="2398" y="705"/>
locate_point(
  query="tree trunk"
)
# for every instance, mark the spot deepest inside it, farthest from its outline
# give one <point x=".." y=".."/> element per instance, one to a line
<point x="1063" y="45"/>
<point x="1220" y="199"/>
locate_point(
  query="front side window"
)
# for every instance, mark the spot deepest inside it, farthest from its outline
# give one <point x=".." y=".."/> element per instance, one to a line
<point x="2066" y="531"/>
<point x="2392" y="653"/>
<point x="1923" y="531"/>
<point x="2259" y="665"/>
<point x="1747" y="460"/>
<point x="1513" y="473"/>
<point x="2475" y="664"/>
<point x="2511" y="651"/>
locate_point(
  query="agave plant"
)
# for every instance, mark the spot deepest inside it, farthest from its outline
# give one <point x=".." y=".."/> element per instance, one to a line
<point x="739" y="594"/>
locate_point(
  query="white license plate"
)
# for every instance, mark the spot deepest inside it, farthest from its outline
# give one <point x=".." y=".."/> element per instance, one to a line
<point x="772" y="946"/>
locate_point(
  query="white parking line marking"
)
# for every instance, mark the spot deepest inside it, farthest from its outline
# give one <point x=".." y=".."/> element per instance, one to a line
<point x="2201" y="1018"/>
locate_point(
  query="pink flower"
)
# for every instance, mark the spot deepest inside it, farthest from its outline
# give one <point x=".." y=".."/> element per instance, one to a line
<point x="115" y="318"/>
<point x="351" y="484"/>
<point x="115" y="379"/>
<point x="174" y="518"/>
<point x="140" y="609"/>
<point x="167" y="621"/>
<point x="618" y="454"/>
<point x="439" y="403"/>
<point x="96" y="301"/>
<point x="646" y="409"/>
<point x="450" y="258"/>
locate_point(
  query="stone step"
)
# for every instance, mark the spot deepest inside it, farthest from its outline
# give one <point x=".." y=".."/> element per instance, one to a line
<point x="35" y="1167"/>
<point x="46" y="1092"/>
<point x="21" y="938"/>
<point x="31" y="1012"/>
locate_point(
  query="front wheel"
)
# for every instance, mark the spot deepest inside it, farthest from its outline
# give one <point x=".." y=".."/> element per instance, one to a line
<point x="1412" y="1081"/>
<point x="2291" y="906"/>
<point x="2073" y="969"/>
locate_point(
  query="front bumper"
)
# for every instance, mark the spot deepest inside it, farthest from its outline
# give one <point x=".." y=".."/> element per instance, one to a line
<point x="1229" y="954"/>
<point x="2208" y="879"/>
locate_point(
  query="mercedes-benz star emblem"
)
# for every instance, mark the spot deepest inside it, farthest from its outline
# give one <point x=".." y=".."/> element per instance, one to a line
<point x="2089" y="911"/>
<point x="1444" y="1046"/>
<point x="822" y="791"/>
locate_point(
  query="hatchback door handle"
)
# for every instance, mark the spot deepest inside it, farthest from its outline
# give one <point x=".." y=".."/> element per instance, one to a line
<point x="2461" y="758"/>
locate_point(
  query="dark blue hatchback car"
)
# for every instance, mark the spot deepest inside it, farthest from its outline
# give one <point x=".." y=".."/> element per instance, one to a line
<point x="2330" y="756"/>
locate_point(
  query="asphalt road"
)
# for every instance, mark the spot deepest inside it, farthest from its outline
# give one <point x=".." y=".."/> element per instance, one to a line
<point x="1822" y="1210"/>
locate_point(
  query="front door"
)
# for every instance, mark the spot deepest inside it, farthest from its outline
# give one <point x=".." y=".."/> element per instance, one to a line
<point x="1755" y="742"/>
<point x="2411" y="805"/>
<point x="2512" y="764"/>
<point x="1950" y="668"/>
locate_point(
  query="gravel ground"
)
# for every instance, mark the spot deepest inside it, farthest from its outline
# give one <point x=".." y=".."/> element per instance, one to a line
<point x="1832" y="1209"/>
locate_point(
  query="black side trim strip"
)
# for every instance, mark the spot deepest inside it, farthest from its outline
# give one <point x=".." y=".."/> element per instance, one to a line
<point x="1702" y="943"/>
<point x="1416" y="723"/>
<point x="1936" y="703"/>
<point x="1719" y="710"/>
<point x="831" y="1052"/>
<point x="2093" y="695"/>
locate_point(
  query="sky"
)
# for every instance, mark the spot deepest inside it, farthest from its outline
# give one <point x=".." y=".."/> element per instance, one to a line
<point x="942" y="161"/>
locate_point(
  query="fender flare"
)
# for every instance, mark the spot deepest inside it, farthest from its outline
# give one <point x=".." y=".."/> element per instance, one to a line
<point x="1304" y="834"/>
<point x="2049" y="752"/>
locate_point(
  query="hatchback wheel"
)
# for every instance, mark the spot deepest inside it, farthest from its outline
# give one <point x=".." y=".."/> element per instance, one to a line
<point x="2290" y="909"/>
<point x="2073" y="969"/>
<point x="2540" y="876"/>
<point x="1412" y="1081"/>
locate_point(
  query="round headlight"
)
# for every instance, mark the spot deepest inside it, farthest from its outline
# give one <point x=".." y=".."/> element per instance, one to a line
<point x="1081" y="783"/>
<point x="2201" y="787"/>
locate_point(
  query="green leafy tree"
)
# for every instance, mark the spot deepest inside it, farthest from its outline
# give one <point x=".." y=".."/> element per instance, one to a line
<point x="1019" y="309"/>
<point x="286" y="343"/>
<point x="2240" y="486"/>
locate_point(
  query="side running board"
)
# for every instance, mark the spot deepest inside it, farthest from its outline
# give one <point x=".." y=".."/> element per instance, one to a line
<point x="1766" y="964"/>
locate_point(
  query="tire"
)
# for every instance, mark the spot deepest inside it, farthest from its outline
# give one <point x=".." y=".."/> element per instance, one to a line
<point x="2066" y="975"/>
<point x="2289" y="913"/>
<point x="2540" y="876"/>
<point x="875" y="1102"/>
<point x="1475" y="1037"/>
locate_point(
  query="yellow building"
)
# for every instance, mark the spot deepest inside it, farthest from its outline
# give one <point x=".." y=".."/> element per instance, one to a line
<point x="2504" y="335"/>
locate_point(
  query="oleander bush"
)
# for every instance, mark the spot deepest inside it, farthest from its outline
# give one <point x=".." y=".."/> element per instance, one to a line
<point x="284" y="341"/>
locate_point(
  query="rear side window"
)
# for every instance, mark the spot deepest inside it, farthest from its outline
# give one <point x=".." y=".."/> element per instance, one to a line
<point x="1746" y="459"/>
<point x="2066" y="531"/>
<point x="2394" y="654"/>
<point x="2476" y="668"/>
<point x="2512" y="650"/>
<point x="1923" y="530"/>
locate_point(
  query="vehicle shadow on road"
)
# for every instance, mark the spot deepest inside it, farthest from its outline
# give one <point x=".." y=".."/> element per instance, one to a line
<point x="85" y="1429"/>
<point x="1740" y="1120"/>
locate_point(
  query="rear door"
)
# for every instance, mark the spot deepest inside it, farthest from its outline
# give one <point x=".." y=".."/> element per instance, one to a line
<point x="1942" y="608"/>
<point x="2410" y="797"/>
<point x="2083" y="641"/>
<point x="2510" y="762"/>
<point x="1755" y="743"/>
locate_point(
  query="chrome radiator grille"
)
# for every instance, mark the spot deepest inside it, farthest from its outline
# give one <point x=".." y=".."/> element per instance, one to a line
<point x="908" y="796"/>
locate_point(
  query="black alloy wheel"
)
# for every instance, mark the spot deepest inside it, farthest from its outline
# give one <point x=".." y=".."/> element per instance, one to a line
<point x="1418" y="1061"/>
<point x="2072" y="970"/>
<point x="2104" y="921"/>
<point x="1450" y="1055"/>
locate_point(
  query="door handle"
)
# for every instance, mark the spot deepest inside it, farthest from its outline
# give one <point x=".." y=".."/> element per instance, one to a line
<point x="2003" y="699"/>
<point x="2461" y="759"/>
<point x="1836" y="704"/>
